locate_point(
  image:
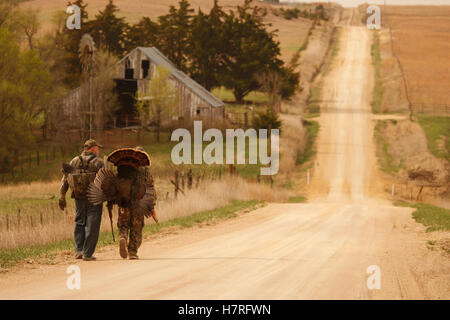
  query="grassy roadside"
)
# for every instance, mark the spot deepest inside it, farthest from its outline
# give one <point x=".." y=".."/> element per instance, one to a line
<point x="377" y="95"/>
<point x="437" y="131"/>
<point x="303" y="47"/>
<point x="11" y="257"/>
<point x="334" y="47"/>
<point x="385" y="159"/>
<point x="297" y="199"/>
<point x="313" y="101"/>
<point x="312" y="128"/>
<point x="325" y="68"/>
<point x="434" y="218"/>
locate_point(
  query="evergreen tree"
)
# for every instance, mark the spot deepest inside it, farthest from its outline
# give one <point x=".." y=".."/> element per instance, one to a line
<point x="108" y="30"/>
<point x="174" y="35"/>
<point x="251" y="50"/>
<point x="142" y="34"/>
<point x="208" y="47"/>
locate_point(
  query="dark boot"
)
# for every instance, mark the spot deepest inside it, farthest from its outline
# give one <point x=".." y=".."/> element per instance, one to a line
<point x="133" y="256"/>
<point x="123" y="248"/>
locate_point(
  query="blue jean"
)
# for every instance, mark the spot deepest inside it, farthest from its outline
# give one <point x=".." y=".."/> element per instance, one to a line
<point x="87" y="226"/>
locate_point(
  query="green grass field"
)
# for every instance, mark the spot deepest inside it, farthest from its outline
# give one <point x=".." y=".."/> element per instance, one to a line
<point x="160" y="154"/>
<point x="434" y="218"/>
<point x="437" y="130"/>
<point x="226" y="95"/>
<point x="51" y="157"/>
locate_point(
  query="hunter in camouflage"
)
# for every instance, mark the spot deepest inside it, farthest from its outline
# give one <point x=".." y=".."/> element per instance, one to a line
<point x="131" y="221"/>
<point x="78" y="174"/>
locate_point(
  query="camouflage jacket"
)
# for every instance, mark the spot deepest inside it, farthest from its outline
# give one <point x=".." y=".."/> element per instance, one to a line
<point x="144" y="173"/>
<point x="94" y="165"/>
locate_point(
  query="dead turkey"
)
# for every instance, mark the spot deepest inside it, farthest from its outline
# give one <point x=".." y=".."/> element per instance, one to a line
<point x="128" y="188"/>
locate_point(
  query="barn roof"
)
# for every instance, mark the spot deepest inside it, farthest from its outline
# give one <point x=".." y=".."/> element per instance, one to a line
<point x="160" y="60"/>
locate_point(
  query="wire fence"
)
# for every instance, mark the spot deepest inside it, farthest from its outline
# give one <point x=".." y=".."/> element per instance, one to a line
<point x="432" y="109"/>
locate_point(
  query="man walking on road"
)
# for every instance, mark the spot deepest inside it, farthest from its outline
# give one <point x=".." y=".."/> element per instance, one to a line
<point x="78" y="175"/>
<point x="131" y="220"/>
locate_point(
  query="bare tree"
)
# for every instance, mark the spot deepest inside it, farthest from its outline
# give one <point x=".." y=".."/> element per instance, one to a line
<point x="29" y="23"/>
<point x="271" y="84"/>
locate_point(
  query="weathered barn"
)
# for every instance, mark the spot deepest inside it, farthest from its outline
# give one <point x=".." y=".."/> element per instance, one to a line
<point x="138" y="67"/>
<point x="134" y="72"/>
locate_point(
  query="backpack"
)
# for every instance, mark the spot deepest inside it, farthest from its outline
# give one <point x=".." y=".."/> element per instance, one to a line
<point x="79" y="181"/>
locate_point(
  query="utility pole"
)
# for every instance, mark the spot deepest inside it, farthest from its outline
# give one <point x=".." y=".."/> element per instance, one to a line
<point x="87" y="57"/>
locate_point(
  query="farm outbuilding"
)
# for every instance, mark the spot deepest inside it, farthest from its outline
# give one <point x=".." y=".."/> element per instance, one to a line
<point x="134" y="72"/>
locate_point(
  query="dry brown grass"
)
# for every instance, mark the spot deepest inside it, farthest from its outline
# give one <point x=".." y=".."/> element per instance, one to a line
<point x="293" y="140"/>
<point x="291" y="34"/>
<point x="421" y="40"/>
<point x="58" y="225"/>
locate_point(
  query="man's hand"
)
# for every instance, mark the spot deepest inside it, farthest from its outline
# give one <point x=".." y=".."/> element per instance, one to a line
<point x="62" y="203"/>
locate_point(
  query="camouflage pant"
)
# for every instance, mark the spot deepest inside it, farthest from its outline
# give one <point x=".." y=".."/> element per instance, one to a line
<point x="132" y="224"/>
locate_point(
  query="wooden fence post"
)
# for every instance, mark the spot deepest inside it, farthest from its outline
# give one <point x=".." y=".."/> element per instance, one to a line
<point x="176" y="183"/>
<point x="7" y="222"/>
<point x="419" y="193"/>
<point x="41" y="218"/>
<point x="198" y="181"/>
<point x="18" y="218"/>
<point x="189" y="178"/>
<point x="182" y="179"/>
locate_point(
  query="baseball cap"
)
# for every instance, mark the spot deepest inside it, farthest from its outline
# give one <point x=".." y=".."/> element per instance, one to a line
<point x="91" y="143"/>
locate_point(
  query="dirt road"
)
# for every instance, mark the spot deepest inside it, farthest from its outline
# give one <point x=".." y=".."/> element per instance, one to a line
<point x="282" y="251"/>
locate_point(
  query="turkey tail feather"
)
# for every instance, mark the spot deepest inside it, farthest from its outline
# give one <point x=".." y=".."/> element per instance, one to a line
<point x="97" y="191"/>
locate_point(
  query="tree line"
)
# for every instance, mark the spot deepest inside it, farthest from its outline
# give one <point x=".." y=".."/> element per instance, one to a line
<point x="216" y="48"/>
<point x="231" y="48"/>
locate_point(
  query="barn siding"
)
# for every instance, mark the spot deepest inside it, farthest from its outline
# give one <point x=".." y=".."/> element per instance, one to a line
<point x="190" y="102"/>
